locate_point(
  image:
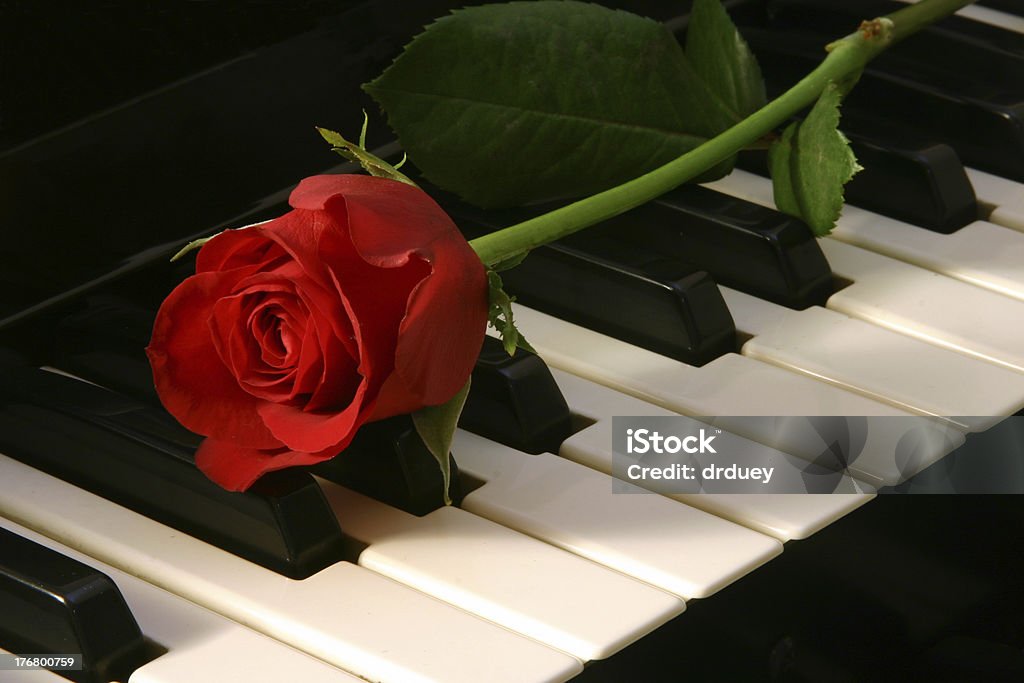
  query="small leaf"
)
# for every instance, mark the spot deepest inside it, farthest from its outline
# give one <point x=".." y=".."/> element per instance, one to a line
<point x="373" y="164"/>
<point x="194" y="244"/>
<point x="500" y="317"/>
<point x="510" y="262"/>
<point x="436" y="426"/>
<point x="508" y="104"/>
<point x="721" y="57"/>
<point x="811" y="163"/>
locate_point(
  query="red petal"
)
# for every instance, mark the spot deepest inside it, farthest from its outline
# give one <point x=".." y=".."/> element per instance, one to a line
<point x="236" y="468"/>
<point x="191" y="379"/>
<point x="312" y="432"/>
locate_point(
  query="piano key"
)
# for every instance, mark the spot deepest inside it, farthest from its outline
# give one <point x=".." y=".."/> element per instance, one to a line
<point x="193" y="643"/>
<point x="504" y="576"/>
<point x="981" y="122"/>
<point x="981" y="253"/>
<point x="783" y="516"/>
<point x="388" y="461"/>
<point x="140" y="458"/>
<point x="1004" y="198"/>
<point x="733" y="385"/>
<point x="344" y="615"/>
<point x="54" y="605"/>
<point x="927" y="305"/>
<point x="899" y="369"/>
<point x="772" y="256"/>
<point x="675" y="547"/>
<point x="1005" y="15"/>
<point x="622" y="289"/>
<point x="874" y="463"/>
<point x="917" y="181"/>
<point x="515" y="401"/>
<point x="966" y="48"/>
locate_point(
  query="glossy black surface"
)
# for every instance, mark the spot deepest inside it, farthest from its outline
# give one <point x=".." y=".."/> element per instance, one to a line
<point x="604" y="280"/>
<point x="971" y="43"/>
<point x="140" y="458"/>
<point x="515" y="401"/>
<point x="389" y="462"/>
<point x="743" y="245"/>
<point x="984" y="123"/>
<point x="52" y="604"/>
<point x="903" y="177"/>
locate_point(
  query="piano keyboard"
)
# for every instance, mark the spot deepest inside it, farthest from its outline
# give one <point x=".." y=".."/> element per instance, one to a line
<point x="541" y="572"/>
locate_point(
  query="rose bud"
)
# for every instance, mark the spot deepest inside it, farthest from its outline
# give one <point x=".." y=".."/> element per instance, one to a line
<point x="361" y="303"/>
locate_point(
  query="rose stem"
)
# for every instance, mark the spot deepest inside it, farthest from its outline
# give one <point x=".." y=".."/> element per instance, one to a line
<point x="847" y="57"/>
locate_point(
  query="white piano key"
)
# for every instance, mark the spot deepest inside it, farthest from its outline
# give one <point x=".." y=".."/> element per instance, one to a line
<point x="1004" y="196"/>
<point x="677" y="548"/>
<point x="877" y="362"/>
<point x="987" y="15"/>
<point x="927" y="305"/>
<point x="733" y="385"/>
<point x="982" y="253"/>
<point x="783" y="516"/>
<point x="201" y="646"/>
<point x="345" y="615"/>
<point x="530" y="587"/>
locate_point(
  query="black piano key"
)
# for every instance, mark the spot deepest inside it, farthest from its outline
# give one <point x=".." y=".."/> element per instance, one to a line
<point x="388" y="461"/>
<point x="916" y="181"/>
<point x="139" y="458"/>
<point x="970" y="47"/>
<point x="514" y="400"/>
<point x="51" y="604"/>
<point x="743" y="245"/>
<point x="983" y="124"/>
<point x="924" y="184"/>
<point x="616" y="288"/>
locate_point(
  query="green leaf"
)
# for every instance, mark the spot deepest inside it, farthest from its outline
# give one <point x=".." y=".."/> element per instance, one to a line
<point x="373" y="164"/>
<point x="811" y="163"/>
<point x="508" y="104"/>
<point x="499" y="316"/>
<point x="194" y="244"/>
<point x="510" y="262"/>
<point x="436" y="426"/>
<point x="722" y="58"/>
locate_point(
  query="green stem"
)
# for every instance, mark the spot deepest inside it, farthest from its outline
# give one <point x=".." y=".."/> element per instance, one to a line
<point x="845" y="60"/>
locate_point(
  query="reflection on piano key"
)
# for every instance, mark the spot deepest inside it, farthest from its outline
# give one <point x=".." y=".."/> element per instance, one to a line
<point x="981" y="253"/>
<point x="345" y="615"/>
<point x="200" y="646"/>
<point x="506" y="577"/>
<point x="675" y="547"/>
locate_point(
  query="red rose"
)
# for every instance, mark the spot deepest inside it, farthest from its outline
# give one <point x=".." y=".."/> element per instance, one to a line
<point x="361" y="303"/>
